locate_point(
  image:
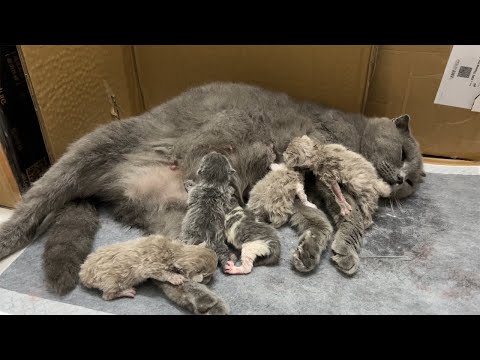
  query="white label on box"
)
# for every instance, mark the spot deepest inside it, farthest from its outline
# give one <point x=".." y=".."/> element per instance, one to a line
<point x="460" y="85"/>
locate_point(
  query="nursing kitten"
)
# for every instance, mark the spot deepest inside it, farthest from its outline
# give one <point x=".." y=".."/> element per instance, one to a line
<point x="259" y="242"/>
<point x="208" y="201"/>
<point x="333" y="164"/>
<point x="271" y="199"/>
<point x="117" y="268"/>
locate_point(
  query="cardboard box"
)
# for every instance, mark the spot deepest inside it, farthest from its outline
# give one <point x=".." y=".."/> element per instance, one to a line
<point x="406" y="80"/>
<point x="76" y="88"/>
<point x="22" y="147"/>
<point x="337" y="76"/>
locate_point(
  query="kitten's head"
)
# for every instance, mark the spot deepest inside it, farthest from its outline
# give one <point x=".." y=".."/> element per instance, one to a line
<point x="390" y="146"/>
<point x="197" y="262"/>
<point x="215" y="168"/>
<point x="299" y="152"/>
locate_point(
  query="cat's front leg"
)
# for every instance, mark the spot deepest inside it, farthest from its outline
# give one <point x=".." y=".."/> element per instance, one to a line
<point x="348" y="240"/>
<point x="194" y="297"/>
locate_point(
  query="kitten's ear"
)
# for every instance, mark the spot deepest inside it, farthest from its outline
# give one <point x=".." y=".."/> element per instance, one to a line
<point x="403" y="123"/>
<point x="203" y="244"/>
<point x="305" y="137"/>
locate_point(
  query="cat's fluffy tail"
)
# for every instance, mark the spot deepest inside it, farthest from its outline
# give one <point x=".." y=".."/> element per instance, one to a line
<point x="69" y="241"/>
<point x="49" y="193"/>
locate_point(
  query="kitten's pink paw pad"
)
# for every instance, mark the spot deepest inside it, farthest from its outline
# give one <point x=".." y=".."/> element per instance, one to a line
<point x="176" y="279"/>
<point x="130" y="293"/>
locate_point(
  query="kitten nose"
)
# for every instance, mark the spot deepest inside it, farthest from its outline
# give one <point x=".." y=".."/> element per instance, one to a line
<point x="399" y="179"/>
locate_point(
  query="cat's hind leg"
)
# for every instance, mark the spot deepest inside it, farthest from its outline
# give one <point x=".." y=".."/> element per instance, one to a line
<point x="250" y="251"/>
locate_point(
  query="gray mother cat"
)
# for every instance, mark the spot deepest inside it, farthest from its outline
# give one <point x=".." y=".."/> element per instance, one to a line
<point x="125" y="165"/>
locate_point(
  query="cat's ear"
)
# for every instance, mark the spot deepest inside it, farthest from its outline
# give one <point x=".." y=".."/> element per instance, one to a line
<point x="203" y="244"/>
<point x="403" y="123"/>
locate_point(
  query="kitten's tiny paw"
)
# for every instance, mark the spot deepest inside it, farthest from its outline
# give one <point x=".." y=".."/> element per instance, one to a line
<point x="176" y="279"/>
<point x="229" y="266"/>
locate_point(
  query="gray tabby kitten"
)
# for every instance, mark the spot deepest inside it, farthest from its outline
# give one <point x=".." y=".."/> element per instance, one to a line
<point x="259" y="242"/>
<point x="208" y="201"/>
<point x="126" y="165"/>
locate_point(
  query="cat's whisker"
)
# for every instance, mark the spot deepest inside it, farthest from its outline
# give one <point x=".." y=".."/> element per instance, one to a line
<point x="391" y="206"/>
<point x="399" y="204"/>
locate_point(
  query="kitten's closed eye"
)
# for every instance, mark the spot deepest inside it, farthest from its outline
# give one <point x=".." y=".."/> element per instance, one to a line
<point x="409" y="182"/>
<point x="404" y="156"/>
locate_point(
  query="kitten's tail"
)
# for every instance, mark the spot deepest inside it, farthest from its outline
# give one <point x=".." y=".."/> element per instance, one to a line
<point x="69" y="241"/>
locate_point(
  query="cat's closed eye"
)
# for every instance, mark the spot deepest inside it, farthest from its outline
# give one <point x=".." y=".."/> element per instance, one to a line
<point x="404" y="156"/>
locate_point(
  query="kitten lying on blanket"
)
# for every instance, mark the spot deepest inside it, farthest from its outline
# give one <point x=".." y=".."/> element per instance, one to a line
<point x="271" y="199"/>
<point x="117" y="268"/>
<point x="208" y="201"/>
<point x="334" y="164"/>
<point x="259" y="242"/>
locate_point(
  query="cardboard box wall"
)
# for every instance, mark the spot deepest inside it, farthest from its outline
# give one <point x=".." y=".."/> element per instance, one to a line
<point x="406" y="80"/>
<point x="67" y="82"/>
<point x="77" y="88"/>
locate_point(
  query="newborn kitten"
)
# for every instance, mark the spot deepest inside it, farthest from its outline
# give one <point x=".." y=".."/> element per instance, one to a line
<point x="259" y="242"/>
<point x="271" y="199"/>
<point x="208" y="201"/>
<point x="117" y="268"/>
<point x="334" y="164"/>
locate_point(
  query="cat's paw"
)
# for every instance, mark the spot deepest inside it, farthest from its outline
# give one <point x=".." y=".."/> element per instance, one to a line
<point x="345" y="208"/>
<point x="228" y="268"/>
<point x="205" y="302"/>
<point x="176" y="279"/>
<point x="345" y="257"/>
<point x="307" y="255"/>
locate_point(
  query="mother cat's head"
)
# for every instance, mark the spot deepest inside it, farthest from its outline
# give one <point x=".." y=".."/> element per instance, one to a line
<point x="390" y="146"/>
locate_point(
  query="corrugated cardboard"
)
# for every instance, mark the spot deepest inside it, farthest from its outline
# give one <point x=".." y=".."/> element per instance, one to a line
<point x="334" y="75"/>
<point x="9" y="191"/>
<point x="68" y="86"/>
<point x="406" y="80"/>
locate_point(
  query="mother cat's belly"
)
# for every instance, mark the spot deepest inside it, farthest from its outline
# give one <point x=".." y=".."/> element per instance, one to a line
<point x="155" y="183"/>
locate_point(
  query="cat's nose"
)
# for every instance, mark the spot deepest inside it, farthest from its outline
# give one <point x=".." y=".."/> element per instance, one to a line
<point x="400" y="179"/>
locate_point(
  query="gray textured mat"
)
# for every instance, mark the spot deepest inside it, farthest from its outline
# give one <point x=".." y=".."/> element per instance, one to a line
<point x="437" y="231"/>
